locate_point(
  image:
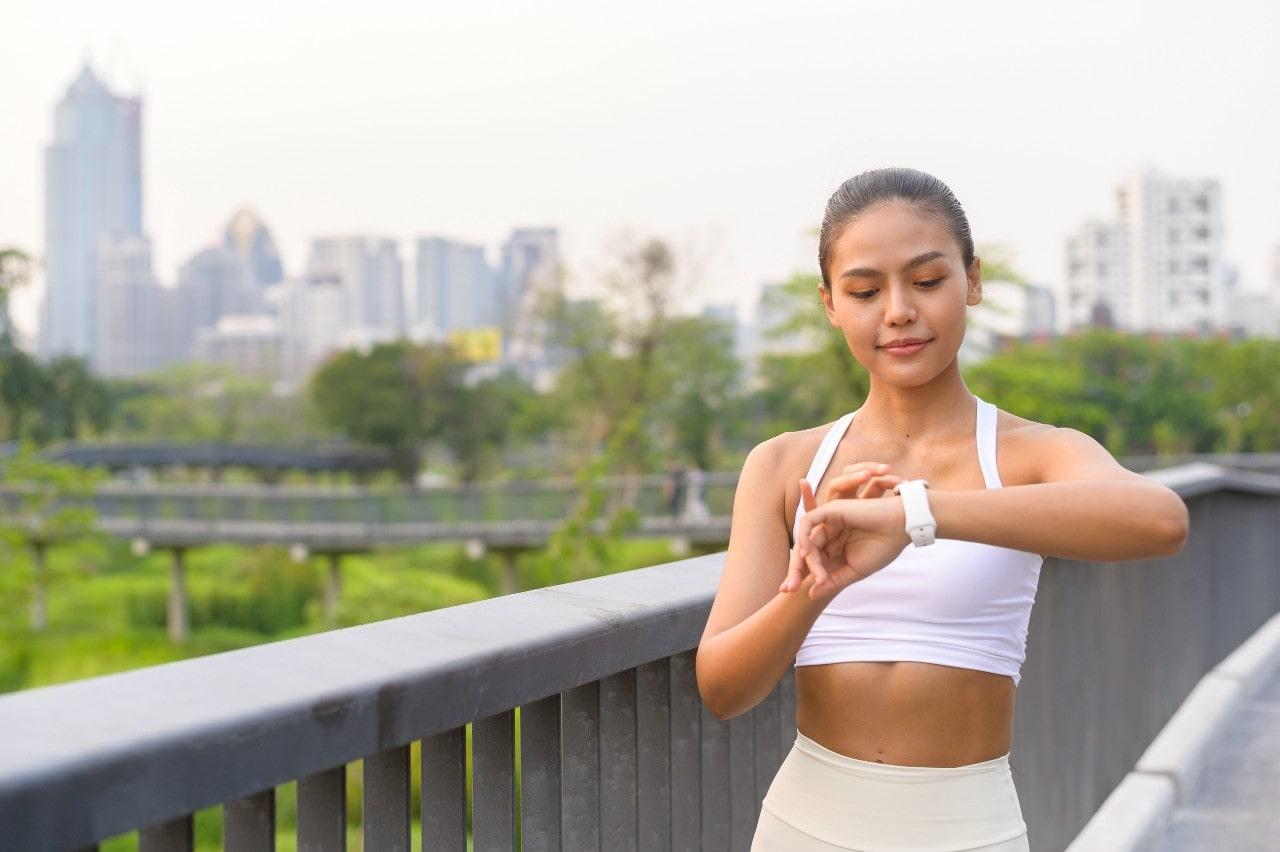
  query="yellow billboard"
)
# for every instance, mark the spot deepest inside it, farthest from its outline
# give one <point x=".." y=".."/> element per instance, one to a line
<point x="477" y="345"/>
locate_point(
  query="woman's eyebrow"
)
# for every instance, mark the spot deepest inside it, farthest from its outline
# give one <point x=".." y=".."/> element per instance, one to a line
<point x="865" y="272"/>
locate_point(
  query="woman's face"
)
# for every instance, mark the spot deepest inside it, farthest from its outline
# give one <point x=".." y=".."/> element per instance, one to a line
<point x="900" y="292"/>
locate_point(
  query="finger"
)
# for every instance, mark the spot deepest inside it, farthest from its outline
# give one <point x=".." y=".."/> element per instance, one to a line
<point x="795" y="572"/>
<point x="814" y="556"/>
<point x="806" y="494"/>
<point x="879" y="486"/>
<point x="874" y="468"/>
<point x="846" y="485"/>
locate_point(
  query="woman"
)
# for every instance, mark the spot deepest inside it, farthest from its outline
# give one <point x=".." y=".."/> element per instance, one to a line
<point x="904" y="607"/>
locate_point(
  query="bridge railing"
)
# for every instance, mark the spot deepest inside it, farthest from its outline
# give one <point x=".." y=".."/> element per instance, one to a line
<point x="615" y="750"/>
<point x="550" y="499"/>
<point x="586" y="728"/>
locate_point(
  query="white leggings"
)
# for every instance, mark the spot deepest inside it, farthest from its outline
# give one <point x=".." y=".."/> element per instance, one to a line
<point x="821" y="801"/>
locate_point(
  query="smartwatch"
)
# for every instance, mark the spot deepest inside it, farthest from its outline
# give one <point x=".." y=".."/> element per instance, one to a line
<point x="920" y="523"/>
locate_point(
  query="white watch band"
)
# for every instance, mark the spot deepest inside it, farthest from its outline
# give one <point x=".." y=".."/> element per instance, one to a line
<point x="915" y="502"/>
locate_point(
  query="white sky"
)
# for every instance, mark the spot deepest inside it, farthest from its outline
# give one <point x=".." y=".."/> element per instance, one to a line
<point x="723" y="126"/>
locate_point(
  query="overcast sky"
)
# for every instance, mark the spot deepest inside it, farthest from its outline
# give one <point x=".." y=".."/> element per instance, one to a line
<point x="723" y="126"/>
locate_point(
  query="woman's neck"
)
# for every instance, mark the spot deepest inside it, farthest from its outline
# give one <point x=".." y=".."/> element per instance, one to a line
<point x="922" y="413"/>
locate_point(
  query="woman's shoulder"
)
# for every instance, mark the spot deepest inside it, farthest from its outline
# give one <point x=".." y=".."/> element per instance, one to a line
<point x="788" y="449"/>
<point x="769" y="487"/>
<point x="1028" y="449"/>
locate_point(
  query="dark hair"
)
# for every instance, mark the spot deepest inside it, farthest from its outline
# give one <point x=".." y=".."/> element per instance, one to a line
<point x="870" y="189"/>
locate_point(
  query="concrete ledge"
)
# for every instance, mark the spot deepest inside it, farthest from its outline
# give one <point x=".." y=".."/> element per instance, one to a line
<point x="1132" y="819"/>
<point x="1140" y="810"/>
<point x="1183" y="747"/>
<point x="1254" y="661"/>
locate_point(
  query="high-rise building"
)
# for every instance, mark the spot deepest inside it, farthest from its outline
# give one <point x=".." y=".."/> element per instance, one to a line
<point x="1159" y="266"/>
<point x="249" y="238"/>
<point x="1098" y="278"/>
<point x="1177" y="275"/>
<point x="134" y="312"/>
<point x="530" y="269"/>
<point x="371" y="278"/>
<point x="456" y="288"/>
<point x="213" y="283"/>
<point x="93" y="189"/>
<point x="311" y="320"/>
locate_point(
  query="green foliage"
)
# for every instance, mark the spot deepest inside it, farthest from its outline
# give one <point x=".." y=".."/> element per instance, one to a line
<point x="41" y="403"/>
<point x="640" y="382"/>
<point x="397" y="395"/>
<point x="204" y="402"/>
<point x="485" y="416"/>
<point x="372" y="593"/>
<point x="264" y="593"/>
<point x="1143" y="395"/>
<point x="818" y="383"/>
<point x="43" y="503"/>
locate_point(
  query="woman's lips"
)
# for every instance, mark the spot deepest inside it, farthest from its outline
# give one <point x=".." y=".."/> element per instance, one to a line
<point x="903" y="347"/>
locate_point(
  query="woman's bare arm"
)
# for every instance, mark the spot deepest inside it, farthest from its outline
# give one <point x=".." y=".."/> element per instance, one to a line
<point x="1079" y="503"/>
<point x="753" y="631"/>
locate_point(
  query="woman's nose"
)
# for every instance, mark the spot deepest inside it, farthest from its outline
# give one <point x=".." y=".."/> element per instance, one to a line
<point x="899" y="306"/>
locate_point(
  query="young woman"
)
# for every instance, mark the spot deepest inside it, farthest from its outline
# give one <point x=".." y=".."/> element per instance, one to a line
<point x="898" y="573"/>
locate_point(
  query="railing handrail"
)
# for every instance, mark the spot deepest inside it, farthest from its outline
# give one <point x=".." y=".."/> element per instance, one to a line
<point x="147" y="745"/>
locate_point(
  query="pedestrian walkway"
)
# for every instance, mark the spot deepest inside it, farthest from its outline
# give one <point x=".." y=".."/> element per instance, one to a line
<point x="1236" y="806"/>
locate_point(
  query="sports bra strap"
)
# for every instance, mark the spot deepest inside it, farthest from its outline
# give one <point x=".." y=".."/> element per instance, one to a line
<point x="822" y="460"/>
<point x="987" y="414"/>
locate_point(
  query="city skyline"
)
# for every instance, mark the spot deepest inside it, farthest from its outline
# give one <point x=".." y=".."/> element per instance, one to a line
<point x="724" y="134"/>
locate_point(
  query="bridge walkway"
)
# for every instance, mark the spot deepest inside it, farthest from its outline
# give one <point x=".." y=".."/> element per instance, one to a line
<point x="1237" y="803"/>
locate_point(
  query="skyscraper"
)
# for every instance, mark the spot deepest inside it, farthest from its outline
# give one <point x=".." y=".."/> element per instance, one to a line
<point x="1098" y="276"/>
<point x="530" y="269"/>
<point x="372" y="280"/>
<point x="93" y="191"/>
<point x="135" y="314"/>
<point x="213" y="283"/>
<point x="1158" y="266"/>
<point x="1178" y="279"/>
<point x="456" y="287"/>
<point x="250" y="239"/>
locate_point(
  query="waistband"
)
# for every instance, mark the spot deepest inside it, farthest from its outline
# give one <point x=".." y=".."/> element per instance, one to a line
<point x="856" y="804"/>
<point x="873" y="771"/>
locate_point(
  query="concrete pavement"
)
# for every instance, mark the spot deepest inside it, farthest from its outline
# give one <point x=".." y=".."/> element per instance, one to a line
<point x="1211" y="778"/>
<point x="1237" y="804"/>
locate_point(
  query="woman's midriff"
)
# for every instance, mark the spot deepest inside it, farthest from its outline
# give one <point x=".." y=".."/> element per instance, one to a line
<point x="907" y="714"/>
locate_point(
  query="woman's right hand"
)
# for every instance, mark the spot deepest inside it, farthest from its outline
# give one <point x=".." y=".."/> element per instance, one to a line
<point x="863" y="480"/>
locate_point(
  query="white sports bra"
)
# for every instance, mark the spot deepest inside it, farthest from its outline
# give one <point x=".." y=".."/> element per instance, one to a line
<point x="954" y="603"/>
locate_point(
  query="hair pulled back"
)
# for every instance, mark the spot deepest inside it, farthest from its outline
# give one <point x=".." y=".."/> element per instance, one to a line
<point x="870" y="189"/>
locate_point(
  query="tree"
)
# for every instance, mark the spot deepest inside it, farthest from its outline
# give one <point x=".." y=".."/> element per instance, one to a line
<point x="45" y="503"/>
<point x="397" y="396"/>
<point x="484" y="416"/>
<point x="15" y="271"/>
<point x="700" y="375"/>
<point x="612" y="347"/>
<point x="817" y="379"/>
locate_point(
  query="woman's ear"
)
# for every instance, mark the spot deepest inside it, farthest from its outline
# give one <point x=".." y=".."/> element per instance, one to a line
<point x="975" y="282"/>
<point x="828" y="304"/>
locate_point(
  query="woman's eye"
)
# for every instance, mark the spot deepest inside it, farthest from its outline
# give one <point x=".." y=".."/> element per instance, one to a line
<point x="863" y="294"/>
<point x="932" y="282"/>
